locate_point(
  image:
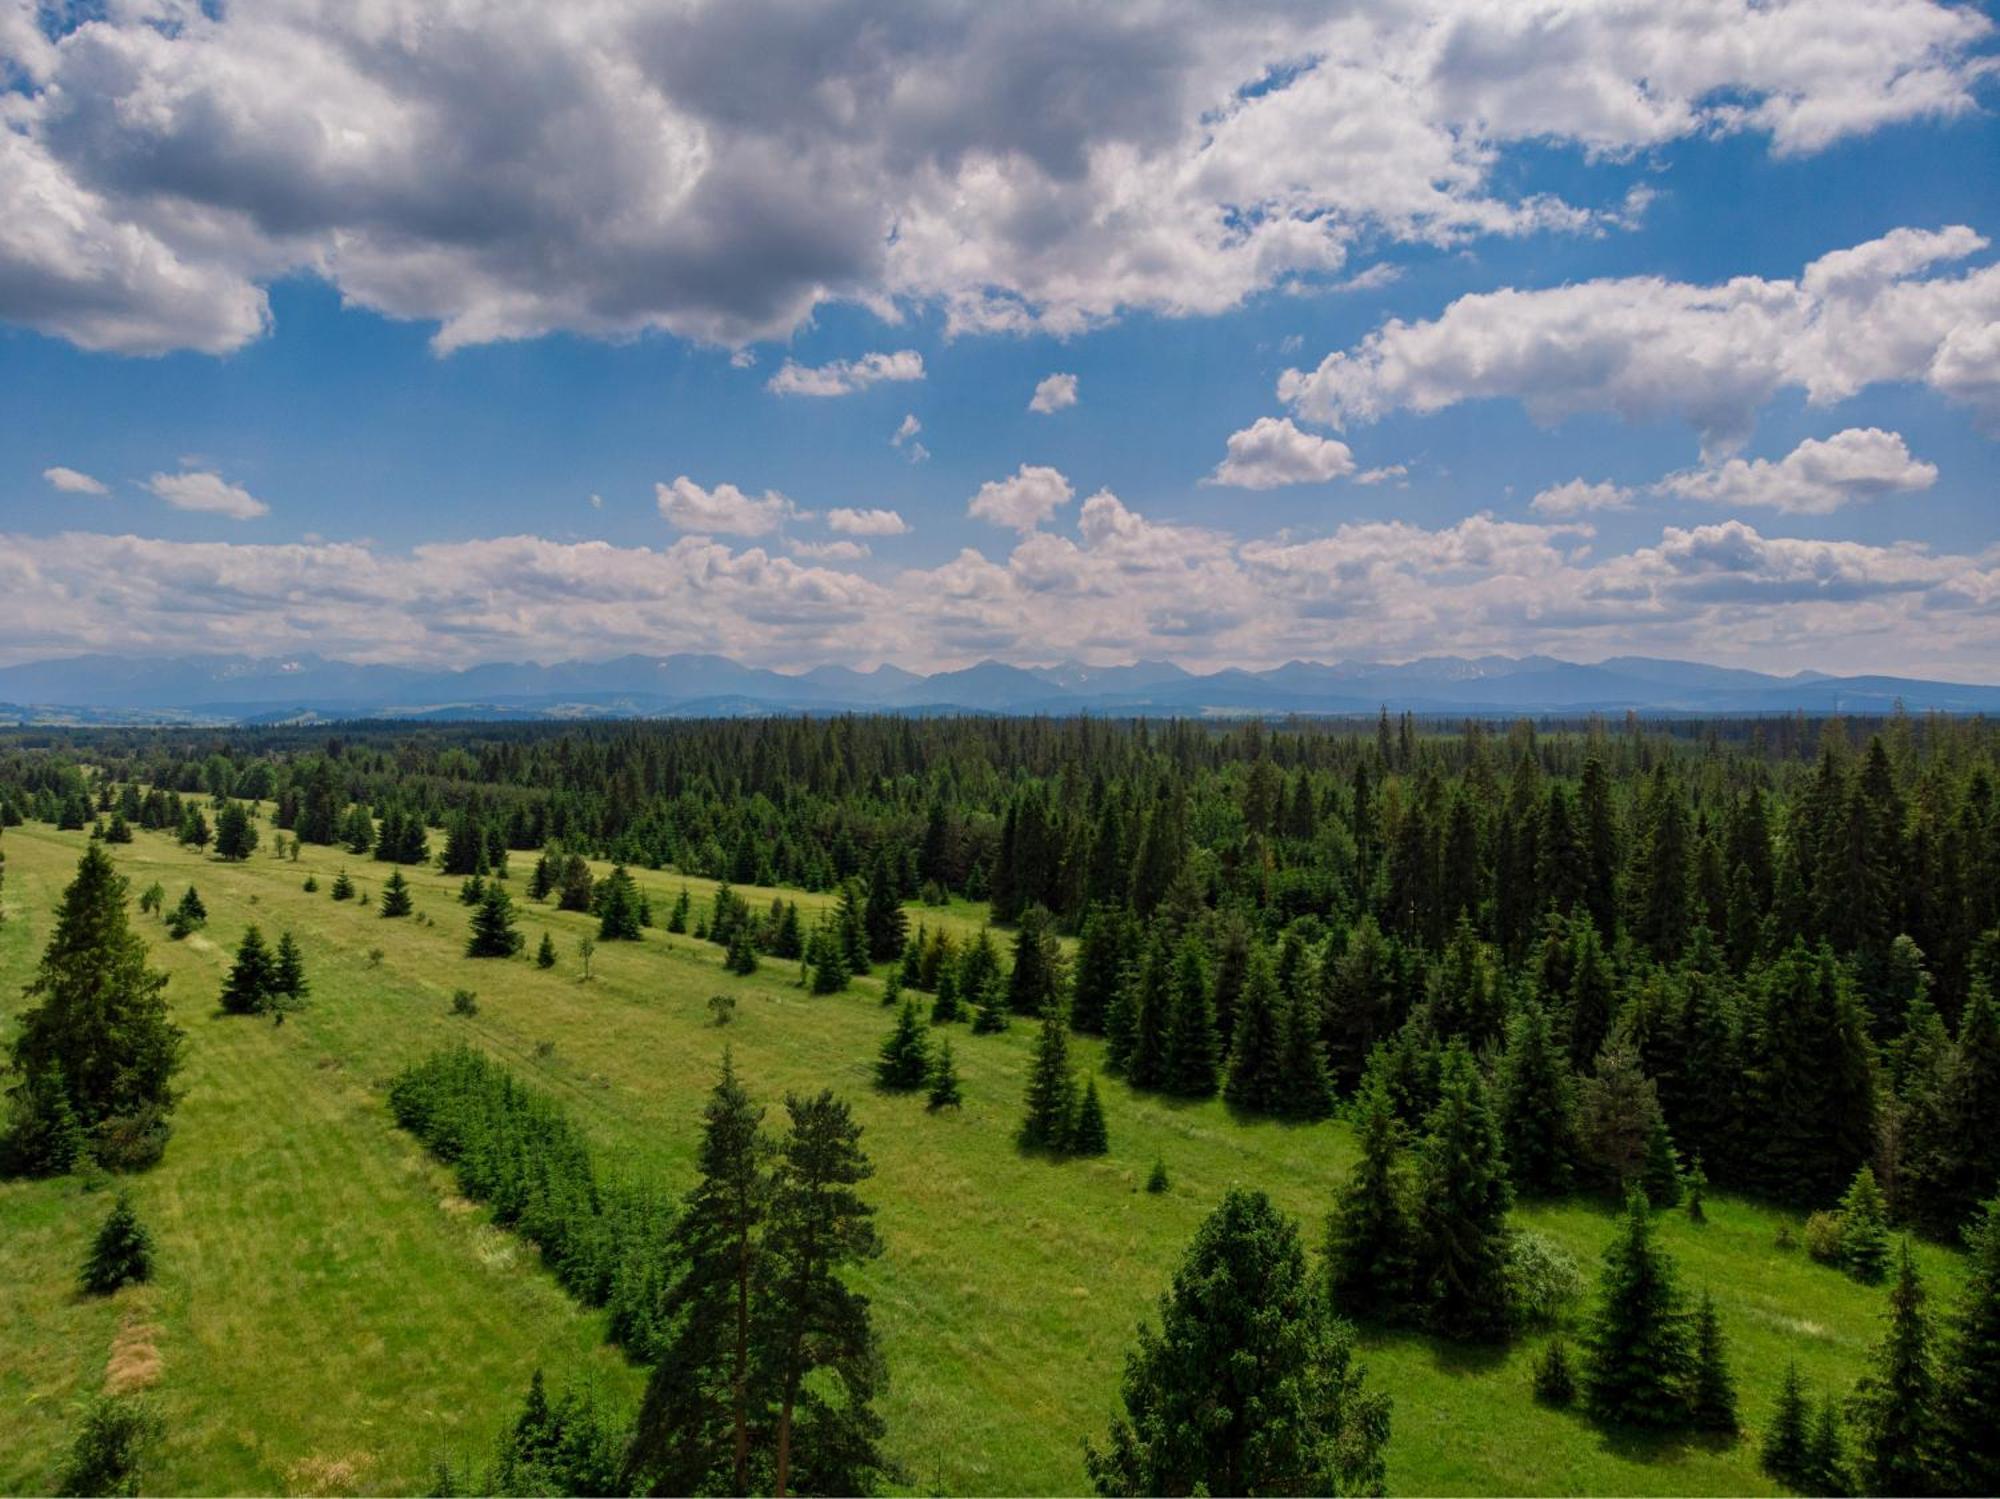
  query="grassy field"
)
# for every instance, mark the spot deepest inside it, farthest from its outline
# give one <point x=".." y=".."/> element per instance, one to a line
<point x="330" y="1317"/>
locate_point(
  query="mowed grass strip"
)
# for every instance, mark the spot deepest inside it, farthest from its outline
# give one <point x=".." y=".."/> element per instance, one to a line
<point x="1007" y="1295"/>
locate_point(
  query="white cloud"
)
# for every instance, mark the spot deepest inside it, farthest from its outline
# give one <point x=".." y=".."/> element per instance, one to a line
<point x="72" y="481"/>
<point x="1816" y="478"/>
<point x="828" y="551"/>
<point x="1383" y="474"/>
<point x="207" y="492"/>
<point x="1053" y="393"/>
<point x="1029" y="497"/>
<point x="845" y="376"/>
<point x="722" y="168"/>
<point x="722" y="511"/>
<point x="1271" y="452"/>
<point x="905" y="439"/>
<point x="1648" y="348"/>
<point x="1579" y="497"/>
<point x="866" y="522"/>
<point x="597" y="502"/>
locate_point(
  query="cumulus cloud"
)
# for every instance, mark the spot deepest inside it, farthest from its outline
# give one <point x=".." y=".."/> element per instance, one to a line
<point x="72" y="481"/>
<point x="208" y="492"/>
<point x="1023" y="501"/>
<point x="828" y="551"/>
<point x="866" y="522"/>
<point x="1053" y="393"/>
<point x="1271" y="452"/>
<point x="1817" y="477"/>
<point x="905" y="439"/>
<point x="1647" y="348"/>
<point x="722" y="511"/>
<point x="1578" y="497"/>
<point x="845" y="376"/>
<point x="720" y="169"/>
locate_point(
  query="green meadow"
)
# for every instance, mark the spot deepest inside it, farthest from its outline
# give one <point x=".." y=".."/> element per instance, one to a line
<point x="329" y="1316"/>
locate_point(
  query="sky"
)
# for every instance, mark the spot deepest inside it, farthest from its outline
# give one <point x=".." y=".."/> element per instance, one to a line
<point x="475" y="330"/>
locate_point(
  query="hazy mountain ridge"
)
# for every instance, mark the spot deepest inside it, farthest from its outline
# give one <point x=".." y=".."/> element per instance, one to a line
<point x="266" y="689"/>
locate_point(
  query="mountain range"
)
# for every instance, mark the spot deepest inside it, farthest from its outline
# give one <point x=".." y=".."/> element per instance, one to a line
<point x="253" y="689"/>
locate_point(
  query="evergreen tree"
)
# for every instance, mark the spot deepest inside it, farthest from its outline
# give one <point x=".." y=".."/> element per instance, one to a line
<point x="1249" y="1386"/>
<point x="1640" y="1362"/>
<point x="944" y="1005"/>
<point x="1968" y="1397"/>
<point x="289" y="987"/>
<point x="43" y="1136"/>
<point x="826" y="959"/>
<point x="1660" y="1178"/>
<point x="253" y="979"/>
<point x="1088" y="1135"/>
<point x="189" y="915"/>
<point x="1192" y="1057"/>
<point x="886" y="925"/>
<point x="905" y="1060"/>
<point x="742" y="955"/>
<point x="617" y="903"/>
<point x="235" y="833"/>
<point x="1537" y="1105"/>
<point x="817" y="1352"/>
<point x="677" y="917"/>
<point x="695" y="1426"/>
<point x="1712" y="1391"/>
<point x="342" y="887"/>
<point x="493" y="934"/>
<point x="1811" y="1083"/>
<point x="1256" y="1054"/>
<point x="1864" y="1234"/>
<point x="1035" y="984"/>
<point x="1304" y="1089"/>
<point x="1896" y="1402"/>
<point x="1787" y="1452"/>
<point x="851" y="928"/>
<point x="1555" y="1382"/>
<point x="1826" y="1453"/>
<point x="1463" y="1196"/>
<point x="989" y="1016"/>
<point x="1372" y="1233"/>
<point x="1051" y="1097"/>
<point x="122" y="1252"/>
<point x="95" y="1029"/>
<point x="545" y="955"/>
<point x="396" y="896"/>
<point x="945" y="1092"/>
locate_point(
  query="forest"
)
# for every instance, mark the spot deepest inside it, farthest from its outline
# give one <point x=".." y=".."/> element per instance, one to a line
<point x="1652" y="972"/>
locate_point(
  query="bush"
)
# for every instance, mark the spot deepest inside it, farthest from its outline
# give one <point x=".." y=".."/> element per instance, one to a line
<point x="1825" y="1237"/>
<point x="1786" y="1239"/>
<point x="122" y="1253"/>
<point x="722" y="1008"/>
<point x="1545" y="1278"/>
<point x="1157" y="1182"/>
<point x="464" y="1002"/>
<point x="110" y="1447"/>
<point x="132" y="1142"/>
<point x="1555" y="1381"/>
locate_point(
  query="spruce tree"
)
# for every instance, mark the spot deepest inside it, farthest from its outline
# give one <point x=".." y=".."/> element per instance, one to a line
<point x="1051" y="1100"/>
<point x="253" y="979"/>
<point x="945" y="1092"/>
<point x="1305" y="1091"/>
<point x="742" y="955"/>
<point x="189" y="915"/>
<point x="1896" y="1409"/>
<point x="693" y="1433"/>
<point x="882" y="917"/>
<point x="95" y="1029"/>
<point x="342" y="887"/>
<point x="1787" y="1451"/>
<point x="395" y="896"/>
<point x="545" y="955"/>
<point x="43" y="1136"/>
<point x="1192" y="1058"/>
<point x="1088" y="1135"/>
<point x="1555" y="1382"/>
<point x="1537" y="1105"/>
<point x="1035" y="984"/>
<point x="1968" y="1397"/>
<point x="989" y="1016"/>
<point x="1248" y="1386"/>
<point x="1712" y="1390"/>
<point x="826" y="957"/>
<point x="1827" y="1470"/>
<point x="945" y="1004"/>
<point x="235" y="833"/>
<point x="1812" y="1108"/>
<point x="493" y="934"/>
<point x="1371" y="1234"/>
<point x="1640" y="1360"/>
<point x="1462" y="1201"/>
<point x="904" y="1063"/>
<point x="289" y="987"/>
<point x="617" y="904"/>
<point x="1102" y="953"/>
<point x="122" y="1252"/>
<point x="1256" y="1052"/>
<point x="1864" y="1235"/>
<point x="814" y="1325"/>
<point x="1660" y="1177"/>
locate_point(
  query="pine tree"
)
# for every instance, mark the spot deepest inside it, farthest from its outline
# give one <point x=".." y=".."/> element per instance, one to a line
<point x="235" y="833"/>
<point x="1555" y="1382"/>
<point x="1811" y="1087"/>
<point x="342" y="887"/>
<point x="545" y="955"/>
<point x="617" y="904"/>
<point x="1088" y="1135"/>
<point x="122" y="1252"/>
<point x="883" y="919"/>
<point x="851" y="928"/>
<point x="1104" y="948"/>
<point x="1249" y="1386"/>
<point x="1255" y="1054"/>
<point x="1051" y="1099"/>
<point x="827" y="959"/>
<point x="694" y="1429"/>
<point x="189" y="915"/>
<point x="814" y="1324"/>
<point x="677" y="918"/>
<point x="43" y="1136"/>
<point x="1660" y="1177"/>
<point x="1864" y="1235"/>
<point x="1537" y="1105"/>
<point x="989" y="1016"/>
<point x="1640" y="1361"/>
<point x="1968" y="1397"/>
<point x="493" y="934"/>
<point x="1826" y="1453"/>
<point x="1371" y="1234"/>
<point x="945" y="1092"/>
<point x="1896" y="1402"/>
<point x="905" y="1059"/>
<point x="253" y="979"/>
<point x="1305" y="1091"/>
<point x="1463" y="1196"/>
<point x="1712" y="1391"/>
<point x="742" y="955"/>
<point x="289" y="987"/>
<point x="395" y="896"/>
<point x="1193" y="1051"/>
<point x="1035" y="984"/>
<point x="944" y="1005"/>
<point x="1787" y="1452"/>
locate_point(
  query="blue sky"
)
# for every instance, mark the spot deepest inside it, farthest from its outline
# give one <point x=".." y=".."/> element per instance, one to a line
<point x="350" y="356"/>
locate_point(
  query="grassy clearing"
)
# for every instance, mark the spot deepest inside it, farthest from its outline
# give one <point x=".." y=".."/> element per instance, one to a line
<point x="327" y="1316"/>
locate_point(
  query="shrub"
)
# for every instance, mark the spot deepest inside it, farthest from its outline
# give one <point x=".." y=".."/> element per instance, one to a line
<point x="1786" y="1239"/>
<point x="1545" y="1278"/>
<point x="1157" y="1182"/>
<point x="110" y="1447"/>
<point x="311" y="886"/>
<point x="722" y="1008"/>
<point x="1825" y="1238"/>
<point x="464" y="1002"/>
<point x="1555" y="1381"/>
<point x="132" y="1142"/>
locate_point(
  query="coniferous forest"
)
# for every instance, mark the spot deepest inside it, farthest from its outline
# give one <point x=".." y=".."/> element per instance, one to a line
<point x="1441" y="1001"/>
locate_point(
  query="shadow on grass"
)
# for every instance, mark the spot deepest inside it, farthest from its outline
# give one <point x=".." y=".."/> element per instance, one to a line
<point x="1659" y="1448"/>
<point x="1468" y="1360"/>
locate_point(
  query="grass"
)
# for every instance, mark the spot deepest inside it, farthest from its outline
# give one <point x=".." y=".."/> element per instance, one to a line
<point x="327" y="1315"/>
